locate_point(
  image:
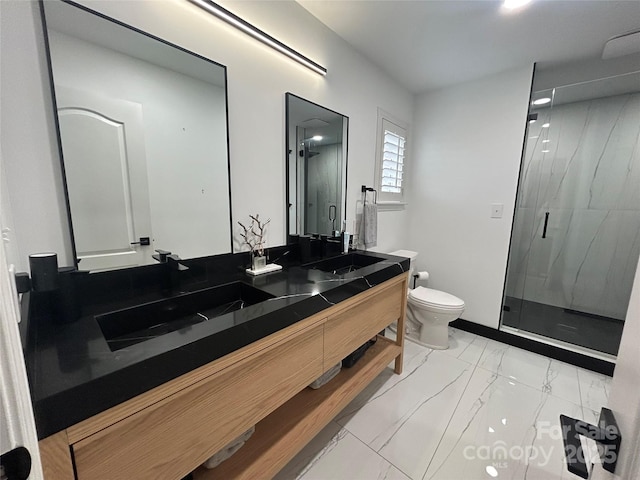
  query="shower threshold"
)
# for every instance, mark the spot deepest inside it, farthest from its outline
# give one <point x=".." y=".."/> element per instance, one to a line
<point x="590" y="331"/>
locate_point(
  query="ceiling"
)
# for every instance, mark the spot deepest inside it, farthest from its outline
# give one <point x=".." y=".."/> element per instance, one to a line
<point x="428" y="44"/>
<point x="76" y="22"/>
<point x="316" y="120"/>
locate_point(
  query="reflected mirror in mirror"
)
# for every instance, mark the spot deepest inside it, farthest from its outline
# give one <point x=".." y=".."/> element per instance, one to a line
<point x="143" y="137"/>
<point x="316" y="167"/>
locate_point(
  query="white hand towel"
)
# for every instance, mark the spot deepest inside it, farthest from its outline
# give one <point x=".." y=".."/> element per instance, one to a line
<point x="369" y="225"/>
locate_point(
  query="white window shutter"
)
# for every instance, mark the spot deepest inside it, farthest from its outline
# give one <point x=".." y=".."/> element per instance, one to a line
<point x="391" y="158"/>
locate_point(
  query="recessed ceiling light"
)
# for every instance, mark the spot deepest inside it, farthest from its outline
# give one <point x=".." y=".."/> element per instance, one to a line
<point x="532" y="121"/>
<point x="545" y="125"/>
<point x="513" y="4"/>
<point x="316" y="138"/>
<point x="546" y="141"/>
<point x="542" y="101"/>
<point x="545" y="151"/>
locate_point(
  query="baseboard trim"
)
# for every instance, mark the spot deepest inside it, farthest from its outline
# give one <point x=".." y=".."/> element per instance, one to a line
<point x="557" y="353"/>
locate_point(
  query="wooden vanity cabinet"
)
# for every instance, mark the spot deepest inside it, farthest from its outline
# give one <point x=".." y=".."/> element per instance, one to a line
<point x="167" y="439"/>
<point x="348" y="328"/>
<point x="171" y="430"/>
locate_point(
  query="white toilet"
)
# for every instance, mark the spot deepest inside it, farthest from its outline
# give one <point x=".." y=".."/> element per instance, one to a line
<point x="429" y="311"/>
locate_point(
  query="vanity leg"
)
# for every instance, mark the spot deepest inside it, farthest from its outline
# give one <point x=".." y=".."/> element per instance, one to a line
<point x="400" y="341"/>
<point x="398" y="368"/>
<point x="400" y="329"/>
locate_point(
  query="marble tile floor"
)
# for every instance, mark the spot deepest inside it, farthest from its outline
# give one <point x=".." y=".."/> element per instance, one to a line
<point x="479" y="410"/>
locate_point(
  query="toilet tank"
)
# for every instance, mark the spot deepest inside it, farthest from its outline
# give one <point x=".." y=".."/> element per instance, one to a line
<point x="410" y="255"/>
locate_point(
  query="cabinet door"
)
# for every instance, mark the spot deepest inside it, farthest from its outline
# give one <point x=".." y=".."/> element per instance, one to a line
<point x="347" y="330"/>
<point x="171" y="438"/>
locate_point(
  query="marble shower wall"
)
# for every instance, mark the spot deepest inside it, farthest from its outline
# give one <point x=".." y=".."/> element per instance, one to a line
<point x="584" y="169"/>
<point x="324" y="177"/>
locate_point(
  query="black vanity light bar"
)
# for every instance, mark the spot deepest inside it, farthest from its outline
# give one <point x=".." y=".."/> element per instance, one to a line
<point x="258" y="34"/>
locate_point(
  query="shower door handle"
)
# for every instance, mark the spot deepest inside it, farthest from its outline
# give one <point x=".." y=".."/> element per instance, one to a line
<point x="332" y="218"/>
<point x="546" y="222"/>
<point x="332" y="213"/>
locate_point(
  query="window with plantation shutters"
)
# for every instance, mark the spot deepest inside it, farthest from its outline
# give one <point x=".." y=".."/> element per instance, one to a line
<point x="391" y="159"/>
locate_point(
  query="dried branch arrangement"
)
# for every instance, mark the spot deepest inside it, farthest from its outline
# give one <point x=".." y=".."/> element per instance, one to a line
<point x="255" y="234"/>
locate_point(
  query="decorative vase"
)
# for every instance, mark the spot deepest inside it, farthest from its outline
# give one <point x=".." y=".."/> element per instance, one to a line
<point x="258" y="262"/>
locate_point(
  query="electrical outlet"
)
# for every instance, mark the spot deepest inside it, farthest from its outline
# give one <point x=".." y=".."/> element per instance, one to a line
<point x="496" y="210"/>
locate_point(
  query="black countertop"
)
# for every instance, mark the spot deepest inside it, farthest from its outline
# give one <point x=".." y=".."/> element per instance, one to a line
<point x="73" y="374"/>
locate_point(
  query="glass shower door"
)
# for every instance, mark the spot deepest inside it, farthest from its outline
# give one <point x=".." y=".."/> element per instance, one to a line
<point x="576" y="237"/>
<point x="527" y="221"/>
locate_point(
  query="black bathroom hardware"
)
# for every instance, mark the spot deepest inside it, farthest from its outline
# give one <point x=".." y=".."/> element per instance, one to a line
<point x="23" y="282"/>
<point x="366" y="189"/>
<point x="606" y="434"/>
<point x="44" y="272"/>
<point x="173" y="267"/>
<point x="546" y="222"/>
<point x="143" y="241"/>
<point x="174" y="263"/>
<point x="68" y="307"/>
<point x="161" y="256"/>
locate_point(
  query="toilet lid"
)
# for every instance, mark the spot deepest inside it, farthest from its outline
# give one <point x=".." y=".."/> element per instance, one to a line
<point x="434" y="298"/>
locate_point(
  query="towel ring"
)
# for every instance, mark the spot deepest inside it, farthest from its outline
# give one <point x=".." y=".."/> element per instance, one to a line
<point x="366" y="189"/>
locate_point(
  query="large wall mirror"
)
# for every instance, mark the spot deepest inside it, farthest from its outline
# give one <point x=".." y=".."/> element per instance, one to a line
<point x="143" y="136"/>
<point x="316" y="139"/>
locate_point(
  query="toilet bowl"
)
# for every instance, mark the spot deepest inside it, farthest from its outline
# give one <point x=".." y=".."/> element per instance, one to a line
<point x="429" y="311"/>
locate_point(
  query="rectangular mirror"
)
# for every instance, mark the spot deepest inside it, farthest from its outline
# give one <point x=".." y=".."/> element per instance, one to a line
<point x="143" y="138"/>
<point x="316" y="140"/>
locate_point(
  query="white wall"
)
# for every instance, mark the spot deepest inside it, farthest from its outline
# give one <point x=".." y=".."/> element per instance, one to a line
<point x="33" y="204"/>
<point x="467" y="143"/>
<point x="257" y="80"/>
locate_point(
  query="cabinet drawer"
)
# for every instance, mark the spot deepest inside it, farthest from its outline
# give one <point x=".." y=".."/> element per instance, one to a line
<point x="347" y="330"/>
<point x="172" y="437"/>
